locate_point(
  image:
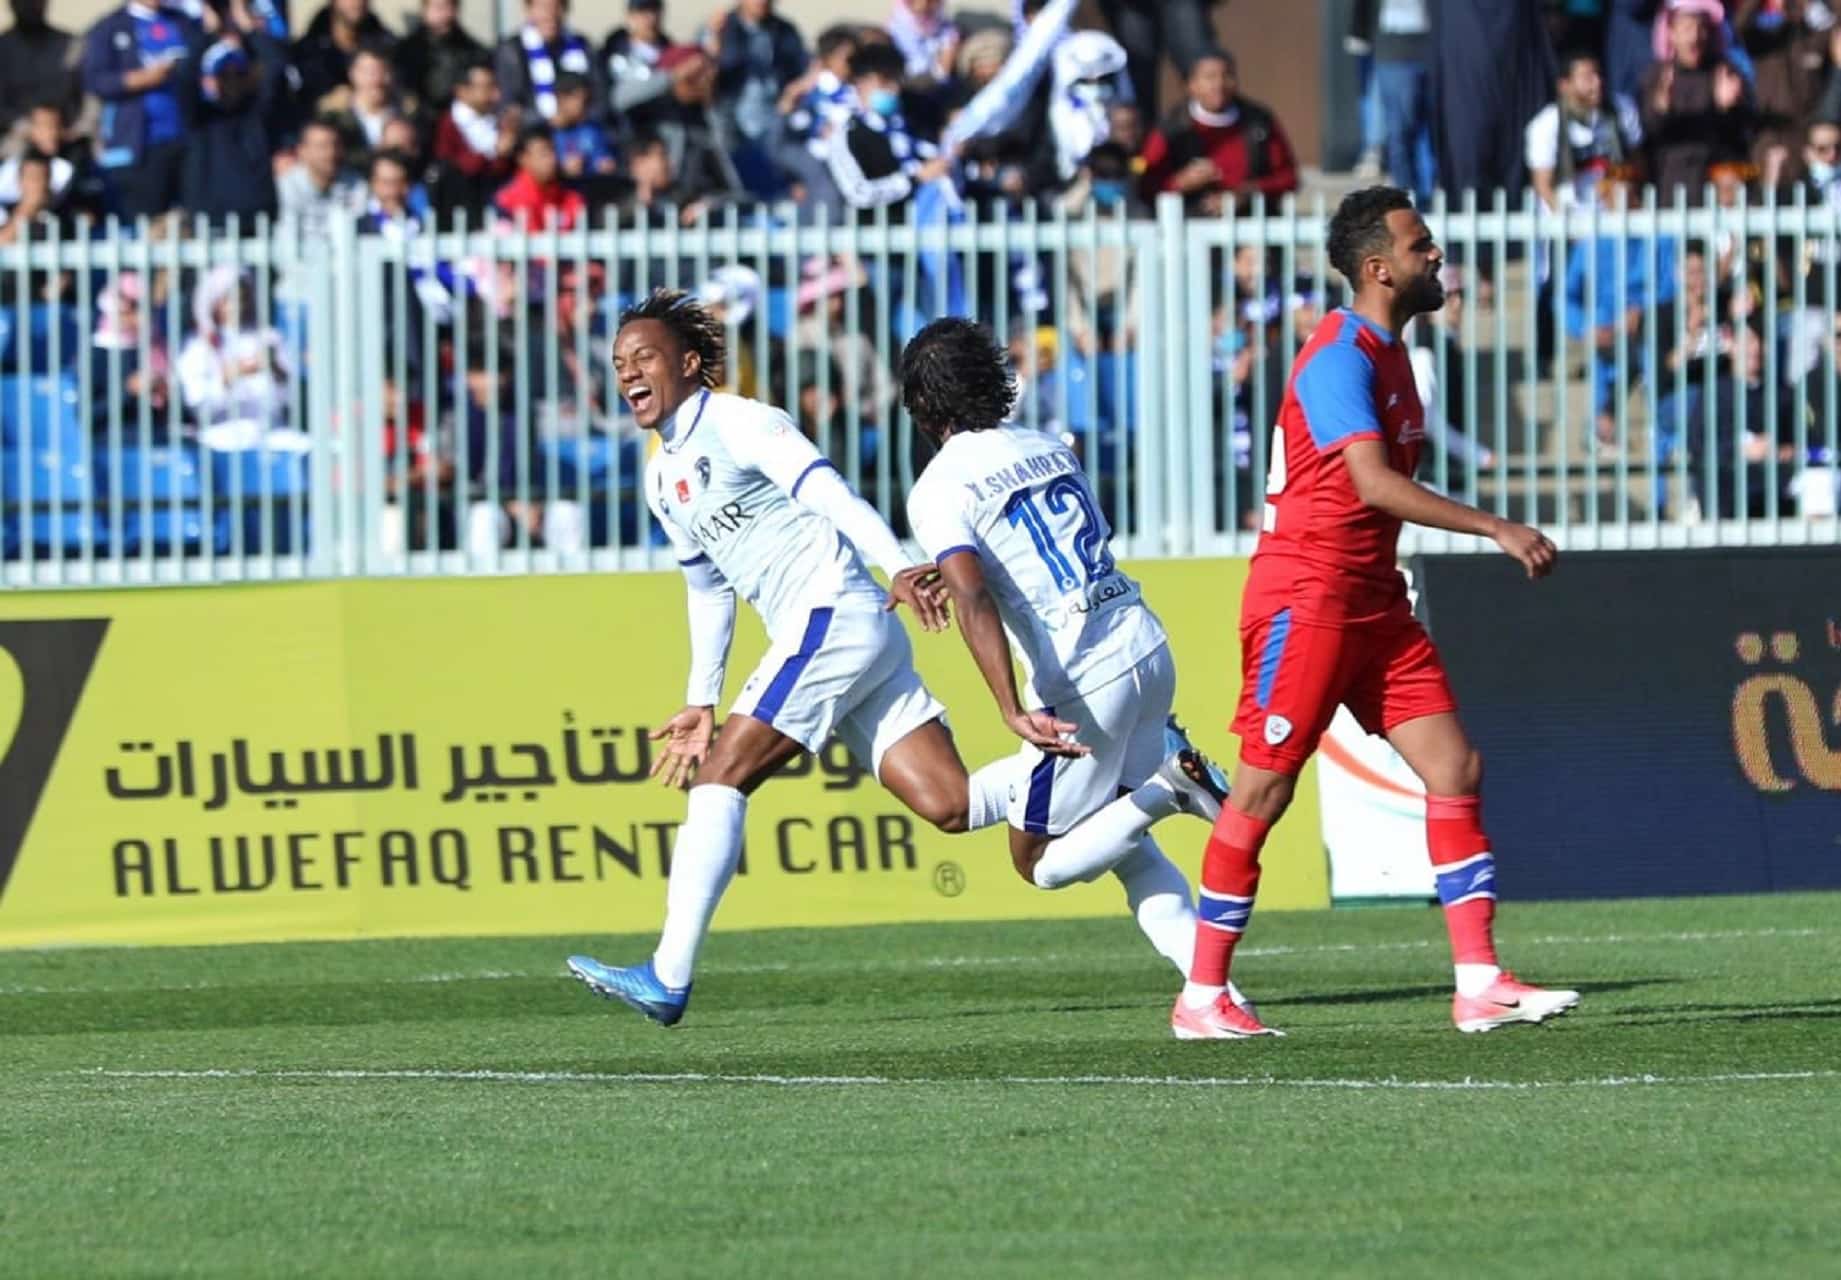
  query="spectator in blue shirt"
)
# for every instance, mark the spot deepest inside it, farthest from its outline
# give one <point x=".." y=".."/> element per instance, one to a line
<point x="142" y="62"/>
<point x="582" y="148"/>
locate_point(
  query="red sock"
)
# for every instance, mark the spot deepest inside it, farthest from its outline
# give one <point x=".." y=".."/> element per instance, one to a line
<point x="1466" y="872"/>
<point x="1230" y="878"/>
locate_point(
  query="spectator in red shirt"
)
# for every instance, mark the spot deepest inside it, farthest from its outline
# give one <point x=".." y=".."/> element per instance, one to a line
<point x="1218" y="149"/>
<point x="536" y="198"/>
<point x="474" y="142"/>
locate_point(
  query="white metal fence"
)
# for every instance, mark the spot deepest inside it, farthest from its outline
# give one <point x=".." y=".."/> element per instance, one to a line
<point x="383" y="400"/>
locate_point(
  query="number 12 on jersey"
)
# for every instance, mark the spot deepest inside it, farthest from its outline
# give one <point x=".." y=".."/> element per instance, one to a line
<point x="1067" y="499"/>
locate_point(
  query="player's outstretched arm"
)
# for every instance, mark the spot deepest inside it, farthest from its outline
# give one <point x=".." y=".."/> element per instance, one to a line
<point x="774" y="447"/>
<point x="1380" y="486"/>
<point x="983" y="629"/>
<point x="710" y="604"/>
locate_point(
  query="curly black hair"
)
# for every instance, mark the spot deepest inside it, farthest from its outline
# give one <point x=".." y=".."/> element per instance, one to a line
<point x="1358" y="229"/>
<point x="954" y="375"/>
<point x="690" y="323"/>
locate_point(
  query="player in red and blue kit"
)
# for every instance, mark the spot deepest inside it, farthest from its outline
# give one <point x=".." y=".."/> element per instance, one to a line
<point x="1325" y="622"/>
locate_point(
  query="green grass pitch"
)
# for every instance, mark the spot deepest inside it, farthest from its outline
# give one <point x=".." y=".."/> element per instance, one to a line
<point x="999" y="1100"/>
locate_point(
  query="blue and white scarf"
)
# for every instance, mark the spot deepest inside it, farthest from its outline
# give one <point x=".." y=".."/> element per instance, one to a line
<point x="825" y="109"/>
<point x="544" y="69"/>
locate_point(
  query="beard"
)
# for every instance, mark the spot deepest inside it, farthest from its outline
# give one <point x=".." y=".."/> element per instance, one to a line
<point x="1423" y="294"/>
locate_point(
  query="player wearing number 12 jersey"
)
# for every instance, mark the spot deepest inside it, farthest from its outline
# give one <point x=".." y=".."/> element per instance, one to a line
<point x="1009" y="517"/>
<point x="1325" y="622"/>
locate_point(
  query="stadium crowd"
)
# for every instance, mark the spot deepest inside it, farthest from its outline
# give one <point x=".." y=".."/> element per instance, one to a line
<point x="221" y="112"/>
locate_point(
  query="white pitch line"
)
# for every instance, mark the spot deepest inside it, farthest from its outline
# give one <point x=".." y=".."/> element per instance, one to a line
<point x="994" y="961"/>
<point x="1173" y="1082"/>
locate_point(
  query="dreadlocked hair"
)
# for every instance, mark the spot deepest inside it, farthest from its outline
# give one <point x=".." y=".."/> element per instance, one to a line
<point x="690" y="323"/>
<point x="954" y="374"/>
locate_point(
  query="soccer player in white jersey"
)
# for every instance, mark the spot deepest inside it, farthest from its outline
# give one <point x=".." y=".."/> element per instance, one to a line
<point x="752" y="509"/>
<point x="1007" y="514"/>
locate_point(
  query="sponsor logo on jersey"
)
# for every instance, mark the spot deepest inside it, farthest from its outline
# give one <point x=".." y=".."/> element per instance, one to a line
<point x="683" y="490"/>
<point x="703" y="472"/>
<point x="1277" y="730"/>
<point x="719" y="524"/>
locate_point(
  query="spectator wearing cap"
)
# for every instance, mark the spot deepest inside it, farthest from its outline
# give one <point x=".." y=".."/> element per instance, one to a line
<point x="142" y="62"/>
<point x="230" y="141"/>
<point x="536" y="198"/>
<point x="544" y="48"/>
<point x="323" y="55"/>
<point x="476" y="142"/>
<point x="1578" y="140"/>
<point x="630" y="57"/>
<point x="1694" y="104"/>
<point x="36" y="65"/>
<point x="431" y="59"/>
<point x="1220" y="151"/>
<point x="697" y="137"/>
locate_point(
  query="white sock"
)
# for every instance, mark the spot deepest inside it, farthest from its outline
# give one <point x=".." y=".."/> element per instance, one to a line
<point x="708" y="846"/>
<point x="1099" y="841"/>
<point x="990" y="789"/>
<point x="1159" y="896"/>
<point x="1474" y="979"/>
<point x="1198" y="996"/>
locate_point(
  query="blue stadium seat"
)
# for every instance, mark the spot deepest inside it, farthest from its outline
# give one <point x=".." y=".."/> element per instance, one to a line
<point x="54" y="485"/>
<point x="43" y="410"/>
<point x="43" y="321"/>
<point x="592" y="457"/>
<point x="171" y="480"/>
<point x="239" y="479"/>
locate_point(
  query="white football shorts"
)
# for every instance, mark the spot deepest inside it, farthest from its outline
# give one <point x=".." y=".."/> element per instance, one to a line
<point x="850" y="671"/>
<point x="1123" y="722"/>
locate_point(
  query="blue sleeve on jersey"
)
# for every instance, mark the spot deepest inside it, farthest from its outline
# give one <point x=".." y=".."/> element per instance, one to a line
<point x="1336" y="391"/>
<point x="953" y="551"/>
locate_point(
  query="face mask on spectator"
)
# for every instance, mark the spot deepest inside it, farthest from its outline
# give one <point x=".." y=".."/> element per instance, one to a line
<point x="1822" y="172"/>
<point x="1110" y="191"/>
<point x="884" y="102"/>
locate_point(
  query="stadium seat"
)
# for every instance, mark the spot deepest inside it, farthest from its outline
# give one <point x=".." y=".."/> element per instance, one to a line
<point x="592" y="457"/>
<point x="239" y="479"/>
<point x="43" y="324"/>
<point x="169" y="480"/>
<point x="48" y="487"/>
<point x="43" y="410"/>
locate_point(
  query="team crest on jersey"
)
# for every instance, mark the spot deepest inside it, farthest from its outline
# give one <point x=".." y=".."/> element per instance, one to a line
<point x="703" y="472"/>
<point x="1277" y="730"/>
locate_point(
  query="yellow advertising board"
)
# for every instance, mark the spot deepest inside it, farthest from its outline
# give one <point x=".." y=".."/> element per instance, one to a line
<point x="469" y="756"/>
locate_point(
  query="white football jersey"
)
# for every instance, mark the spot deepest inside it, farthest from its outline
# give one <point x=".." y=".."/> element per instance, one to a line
<point x="1019" y="499"/>
<point x="721" y="483"/>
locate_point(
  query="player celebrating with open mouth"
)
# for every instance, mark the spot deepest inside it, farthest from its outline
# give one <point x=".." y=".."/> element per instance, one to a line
<point x="752" y="508"/>
<point x="1325" y="620"/>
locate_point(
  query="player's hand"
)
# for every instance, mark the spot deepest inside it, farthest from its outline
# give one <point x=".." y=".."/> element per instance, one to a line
<point x="919" y="587"/>
<point x="1532" y="548"/>
<point x="1048" y="735"/>
<point x="687" y="737"/>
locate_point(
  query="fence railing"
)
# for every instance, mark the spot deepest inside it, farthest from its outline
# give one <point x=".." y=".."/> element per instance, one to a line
<point x="384" y="400"/>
